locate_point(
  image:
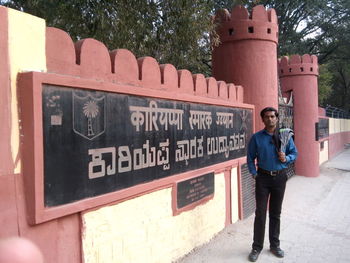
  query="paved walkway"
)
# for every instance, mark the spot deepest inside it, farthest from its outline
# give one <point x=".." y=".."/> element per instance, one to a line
<point x="315" y="223"/>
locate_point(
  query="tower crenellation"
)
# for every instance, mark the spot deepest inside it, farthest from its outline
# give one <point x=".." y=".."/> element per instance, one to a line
<point x="298" y="65"/>
<point x="261" y="24"/>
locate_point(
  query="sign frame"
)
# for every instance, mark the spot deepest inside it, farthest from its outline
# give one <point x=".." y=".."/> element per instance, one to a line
<point x="30" y="86"/>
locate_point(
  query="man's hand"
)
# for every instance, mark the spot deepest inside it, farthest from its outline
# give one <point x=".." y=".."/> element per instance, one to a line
<point x="282" y="157"/>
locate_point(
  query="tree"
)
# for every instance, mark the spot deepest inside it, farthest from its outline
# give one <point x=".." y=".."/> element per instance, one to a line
<point x="319" y="27"/>
<point x="175" y="32"/>
<point x="340" y="92"/>
<point x="310" y="27"/>
<point x="325" y="83"/>
<point x="178" y="32"/>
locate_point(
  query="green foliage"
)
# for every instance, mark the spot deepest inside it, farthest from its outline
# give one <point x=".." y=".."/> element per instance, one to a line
<point x="340" y="93"/>
<point x="176" y="32"/>
<point x="319" y="27"/>
<point x="324" y="84"/>
<point x="311" y="26"/>
<point x="179" y="32"/>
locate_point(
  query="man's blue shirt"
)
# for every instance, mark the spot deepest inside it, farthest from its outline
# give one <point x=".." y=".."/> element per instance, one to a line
<point x="261" y="147"/>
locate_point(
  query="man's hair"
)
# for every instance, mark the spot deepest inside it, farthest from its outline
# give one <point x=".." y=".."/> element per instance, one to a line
<point x="262" y="113"/>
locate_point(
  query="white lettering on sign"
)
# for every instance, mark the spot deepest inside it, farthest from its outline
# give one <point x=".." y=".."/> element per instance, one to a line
<point x="189" y="149"/>
<point x="97" y="167"/>
<point x="224" y="119"/>
<point x="200" y="119"/>
<point x="237" y="141"/>
<point x="153" y="116"/>
<point x="123" y="159"/>
<point x="127" y="160"/>
<point x="223" y="144"/>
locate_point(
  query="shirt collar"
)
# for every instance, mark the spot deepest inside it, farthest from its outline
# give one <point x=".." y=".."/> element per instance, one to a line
<point x="264" y="131"/>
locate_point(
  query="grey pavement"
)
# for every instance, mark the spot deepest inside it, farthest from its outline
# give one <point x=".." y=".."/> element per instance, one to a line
<point x="315" y="223"/>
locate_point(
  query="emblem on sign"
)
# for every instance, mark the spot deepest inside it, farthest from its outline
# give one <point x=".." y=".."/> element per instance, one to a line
<point x="88" y="116"/>
<point x="244" y="116"/>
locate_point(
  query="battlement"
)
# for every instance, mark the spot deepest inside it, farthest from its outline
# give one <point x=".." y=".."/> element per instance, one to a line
<point x="91" y="59"/>
<point x="298" y="65"/>
<point x="261" y="24"/>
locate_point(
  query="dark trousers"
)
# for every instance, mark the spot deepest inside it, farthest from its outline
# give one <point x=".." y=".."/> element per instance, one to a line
<point x="268" y="189"/>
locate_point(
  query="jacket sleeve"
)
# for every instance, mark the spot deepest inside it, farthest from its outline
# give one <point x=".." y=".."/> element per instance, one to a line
<point x="251" y="155"/>
<point x="292" y="152"/>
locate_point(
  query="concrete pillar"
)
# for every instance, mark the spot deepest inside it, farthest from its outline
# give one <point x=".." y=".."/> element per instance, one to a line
<point x="299" y="75"/>
<point x="247" y="55"/>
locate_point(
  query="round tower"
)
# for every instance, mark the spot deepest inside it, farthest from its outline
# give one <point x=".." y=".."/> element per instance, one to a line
<point x="247" y="55"/>
<point x="299" y="75"/>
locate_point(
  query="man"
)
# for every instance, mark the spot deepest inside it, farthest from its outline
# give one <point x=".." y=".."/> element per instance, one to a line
<point x="270" y="180"/>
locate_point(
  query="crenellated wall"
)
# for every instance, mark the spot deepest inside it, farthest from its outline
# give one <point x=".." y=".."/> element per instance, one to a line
<point x="141" y="222"/>
<point x="142" y="218"/>
<point x="118" y="239"/>
<point x="91" y="59"/>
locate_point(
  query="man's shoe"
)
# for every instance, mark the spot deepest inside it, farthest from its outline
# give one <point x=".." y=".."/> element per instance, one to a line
<point x="278" y="252"/>
<point x="253" y="256"/>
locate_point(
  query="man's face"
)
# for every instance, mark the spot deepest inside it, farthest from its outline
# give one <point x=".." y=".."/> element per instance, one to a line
<point x="270" y="119"/>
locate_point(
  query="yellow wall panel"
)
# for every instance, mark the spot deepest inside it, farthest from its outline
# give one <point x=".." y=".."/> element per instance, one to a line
<point x="26" y="53"/>
<point x="324" y="152"/>
<point x="338" y="125"/>
<point x="234" y="196"/>
<point x="144" y="229"/>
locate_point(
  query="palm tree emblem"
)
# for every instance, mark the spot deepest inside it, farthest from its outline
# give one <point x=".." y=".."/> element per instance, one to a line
<point x="90" y="110"/>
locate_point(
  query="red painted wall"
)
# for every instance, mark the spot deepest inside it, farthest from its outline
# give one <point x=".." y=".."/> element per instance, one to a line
<point x="336" y="143"/>
<point x="60" y="239"/>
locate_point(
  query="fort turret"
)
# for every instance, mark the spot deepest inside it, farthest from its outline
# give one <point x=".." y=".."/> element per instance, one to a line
<point x="298" y="74"/>
<point x="247" y="55"/>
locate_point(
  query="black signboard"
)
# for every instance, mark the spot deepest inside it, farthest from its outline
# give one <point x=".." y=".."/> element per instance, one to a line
<point x="322" y="129"/>
<point x="98" y="142"/>
<point x="195" y="189"/>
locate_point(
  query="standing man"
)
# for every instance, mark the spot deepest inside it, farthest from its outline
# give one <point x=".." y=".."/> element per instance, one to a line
<point x="270" y="180"/>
